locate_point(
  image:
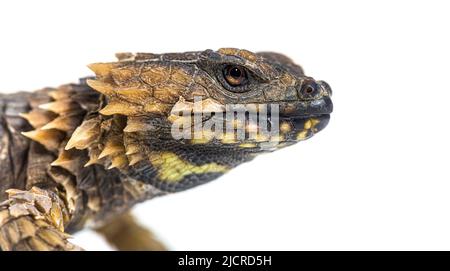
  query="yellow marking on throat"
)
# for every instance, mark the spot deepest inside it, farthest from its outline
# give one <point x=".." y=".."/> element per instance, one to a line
<point x="171" y="168"/>
<point x="285" y="127"/>
<point x="302" y="135"/>
<point x="310" y="125"/>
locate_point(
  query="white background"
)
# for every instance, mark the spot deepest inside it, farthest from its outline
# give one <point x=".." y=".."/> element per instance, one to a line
<point x="377" y="178"/>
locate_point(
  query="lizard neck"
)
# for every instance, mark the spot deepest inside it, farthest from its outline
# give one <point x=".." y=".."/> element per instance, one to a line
<point x="107" y="163"/>
<point x="73" y="134"/>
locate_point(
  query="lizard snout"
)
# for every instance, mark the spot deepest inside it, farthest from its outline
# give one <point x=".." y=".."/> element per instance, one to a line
<point x="325" y="87"/>
<point x="309" y="89"/>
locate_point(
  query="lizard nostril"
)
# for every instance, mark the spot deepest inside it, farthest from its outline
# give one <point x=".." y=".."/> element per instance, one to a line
<point x="309" y="89"/>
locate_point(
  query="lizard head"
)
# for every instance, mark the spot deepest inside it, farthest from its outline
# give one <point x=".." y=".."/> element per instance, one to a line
<point x="184" y="119"/>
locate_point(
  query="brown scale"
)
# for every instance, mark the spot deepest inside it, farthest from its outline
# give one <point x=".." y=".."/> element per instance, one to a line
<point x="54" y="122"/>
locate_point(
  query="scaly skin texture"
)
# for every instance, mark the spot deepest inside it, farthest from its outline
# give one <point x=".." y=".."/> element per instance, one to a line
<point x="83" y="154"/>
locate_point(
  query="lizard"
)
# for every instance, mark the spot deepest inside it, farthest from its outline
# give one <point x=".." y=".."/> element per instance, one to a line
<point x="83" y="154"/>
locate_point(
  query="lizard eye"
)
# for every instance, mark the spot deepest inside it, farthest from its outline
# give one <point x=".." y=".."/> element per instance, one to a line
<point x="235" y="75"/>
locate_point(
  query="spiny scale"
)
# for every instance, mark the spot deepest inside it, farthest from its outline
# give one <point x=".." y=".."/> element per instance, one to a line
<point x="83" y="136"/>
<point x="130" y="102"/>
<point x="113" y="145"/>
<point x="113" y="151"/>
<point x="132" y="149"/>
<point x="50" y="139"/>
<point x="135" y="158"/>
<point x="63" y="123"/>
<point x="136" y="124"/>
<point x="118" y="161"/>
<point x="93" y="157"/>
<point x="55" y="121"/>
<point x="116" y="107"/>
<point x="63" y="92"/>
<point x="102" y="87"/>
<point x="60" y="106"/>
<point x="102" y="70"/>
<point x="38" y="117"/>
<point x="69" y="160"/>
<point x="126" y="99"/>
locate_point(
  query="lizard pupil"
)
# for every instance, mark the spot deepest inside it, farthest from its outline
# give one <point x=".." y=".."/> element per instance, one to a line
<point x="235" y="75"/>
<point x="235" y="72"/>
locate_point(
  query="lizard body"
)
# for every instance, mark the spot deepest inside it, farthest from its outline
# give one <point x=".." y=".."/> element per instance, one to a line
<point x="84" y="154"/>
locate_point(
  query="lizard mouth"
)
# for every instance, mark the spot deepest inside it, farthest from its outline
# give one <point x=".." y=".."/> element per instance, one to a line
<point x="300" y="121"/>
<point x="299" y="128"/>
<point x="274" y="127"/>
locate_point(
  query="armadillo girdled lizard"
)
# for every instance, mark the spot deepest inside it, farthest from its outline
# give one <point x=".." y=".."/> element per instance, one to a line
<point x="83" y="154"/>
